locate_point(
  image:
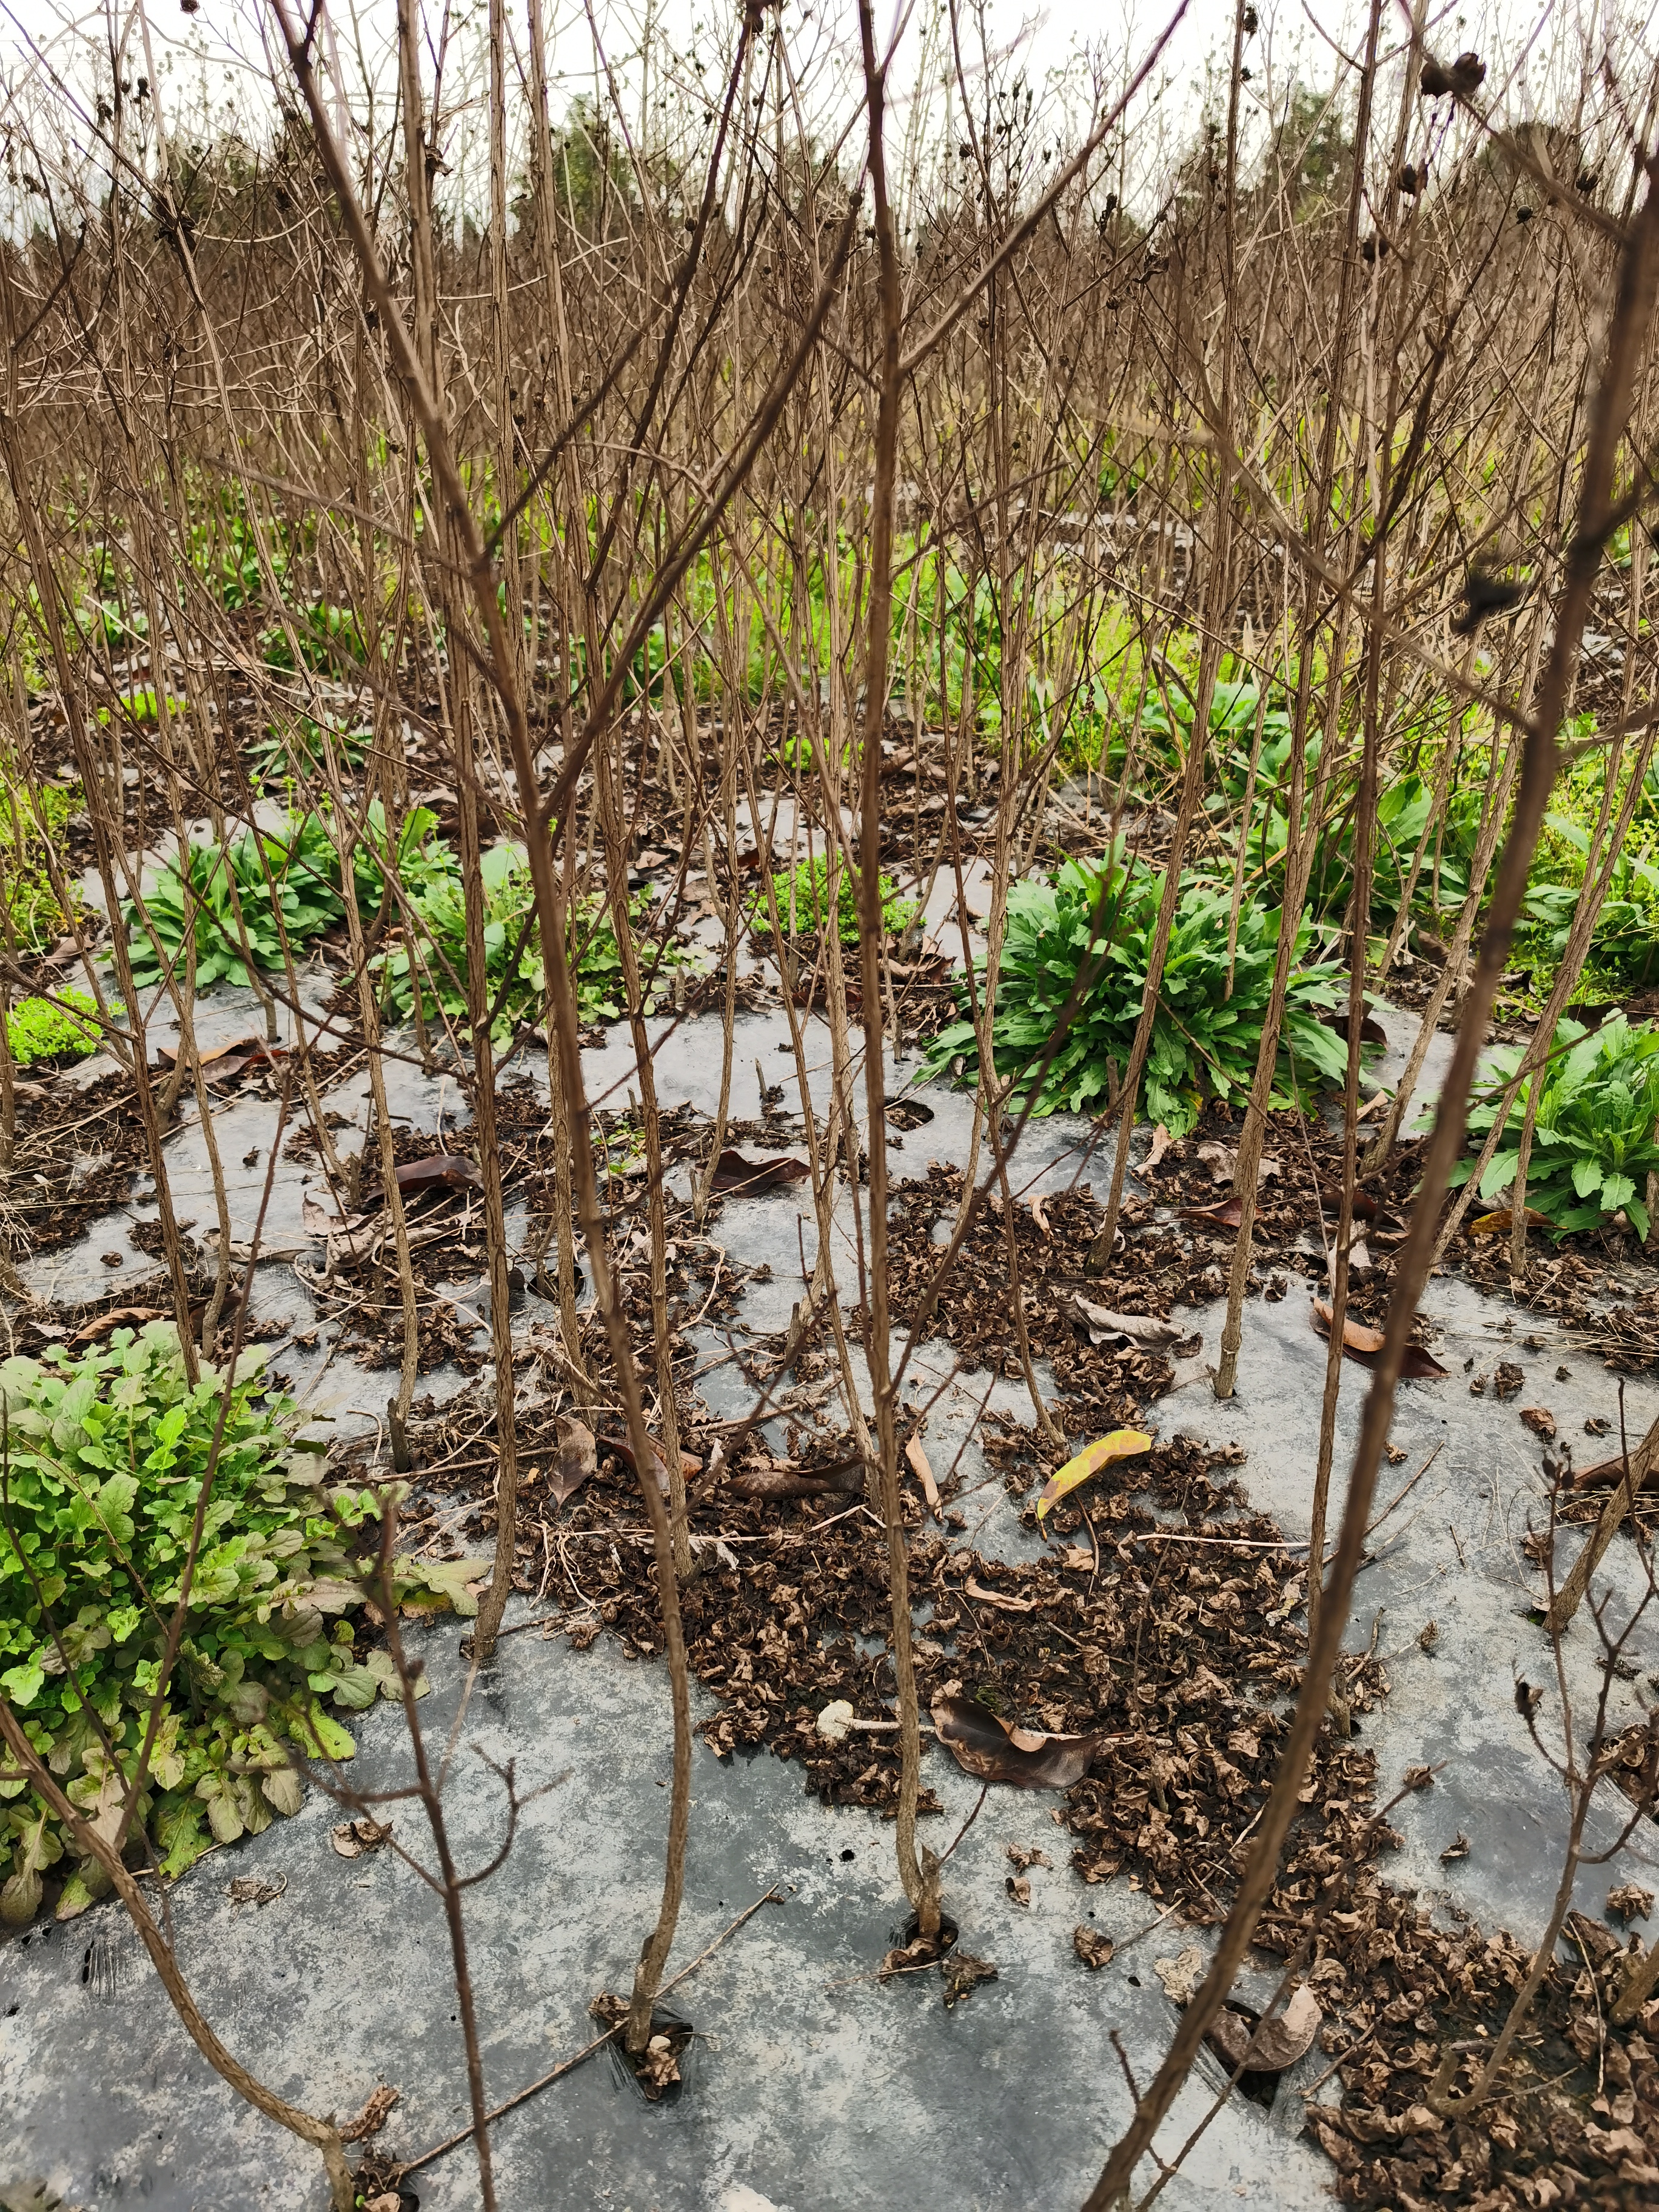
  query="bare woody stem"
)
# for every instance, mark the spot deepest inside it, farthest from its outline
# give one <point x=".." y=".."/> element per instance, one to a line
<point x="918" y="1876"/>
<point x="1627" y="334"/>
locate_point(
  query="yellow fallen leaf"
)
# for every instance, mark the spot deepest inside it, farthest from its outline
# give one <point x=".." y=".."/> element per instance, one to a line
<point x="1122" y="1443"/>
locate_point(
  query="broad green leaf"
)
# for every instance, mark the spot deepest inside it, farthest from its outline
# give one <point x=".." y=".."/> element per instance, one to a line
<point x="283" y="1790"/>
<point x="356" y="1689"/>
<point x="20" y="1899"/>
<point x="83" y="1889"/>
<point x="22" y="1685"/>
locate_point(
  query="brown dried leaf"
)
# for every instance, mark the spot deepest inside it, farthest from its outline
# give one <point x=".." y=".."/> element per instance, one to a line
<point x="924" y="1474"/>
<point x="659" y="2069"/>
<point x="1275" y="2044"/>
<point x="1364" y="1343"/>
<point x="1106" y="1327"/>
<point x="734" y="1175"/>
<point x="374" y="2116"/>
<point x="905" y="1957"/>
<point x="1091" y="1946"/>
<point x="996" y="1598"/>
<point x="1630" y="1901"/>
<point x="1019" y="1888"/>
<point x="249" y="1889"/>
<point x="576" y="1458"/>
<point x="1181" y="1975"/>
<point x="961" y="1973"/>
<point x="993" y="1751"/>
<point x="441" y="1171"/>
<point x="352" y="1839"/>
<point x="1539" y="1419"/>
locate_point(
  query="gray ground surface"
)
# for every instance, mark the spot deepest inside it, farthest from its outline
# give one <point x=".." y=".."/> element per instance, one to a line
<point x="815" y="2089"/>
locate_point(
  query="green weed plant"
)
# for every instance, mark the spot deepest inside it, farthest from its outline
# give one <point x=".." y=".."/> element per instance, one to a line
<point x="30" y="817"/>
<point x="105" y="1455"/>
<point x="1205" y="1038"/>
<point x="1593" y="1143"/>
<point x="803" y="900"/>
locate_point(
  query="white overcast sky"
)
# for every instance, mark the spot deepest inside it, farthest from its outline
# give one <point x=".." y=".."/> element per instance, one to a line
<point x="219" y="50"/>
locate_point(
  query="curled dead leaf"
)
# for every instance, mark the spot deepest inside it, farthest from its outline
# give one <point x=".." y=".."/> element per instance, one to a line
<point x="996" y="1598"/>
<point x="374" y="2116"/>
<point x="994" y="1750"/>
<point x="352" y="1839"/>
<point x="249" y="1889"/>
<point x="962" y="1974"/>
<point x="1181" y="1975"/>
<point x="1274" y="2044"/>
<point x="924" y="1474"/>
<point x="1091" y="1946"/>
<point x="661" y="2067"/>
<point x="1143" y="1330"/>
<point x="1539" y="1419"/>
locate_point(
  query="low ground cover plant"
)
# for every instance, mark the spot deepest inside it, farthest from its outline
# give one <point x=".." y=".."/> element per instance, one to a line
<point x="30" y="815"/>
<point x="104" y="1455"/>
<point x="435" y="965"/>
<point x="50" y="1028"/>
<point x="803" y="900"/>
<point x="1593" y="1143"/>
<point x="1205" y="1037"/>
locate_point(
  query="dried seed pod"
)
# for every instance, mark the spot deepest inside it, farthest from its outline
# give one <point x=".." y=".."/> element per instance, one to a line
<point x="1464" y="76"/>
